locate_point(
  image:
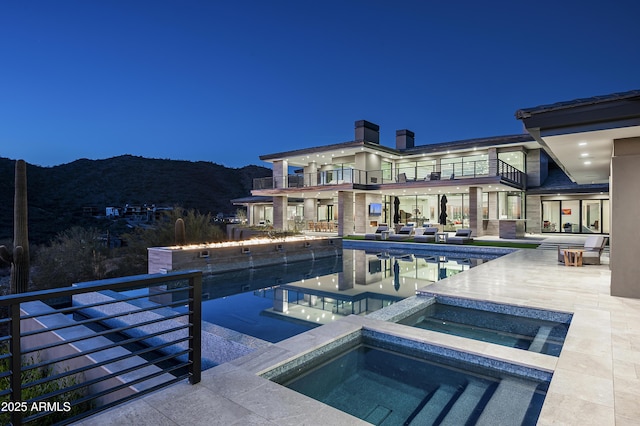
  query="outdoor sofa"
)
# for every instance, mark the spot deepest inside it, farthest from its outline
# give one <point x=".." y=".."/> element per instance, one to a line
<point x="593" y="248"/>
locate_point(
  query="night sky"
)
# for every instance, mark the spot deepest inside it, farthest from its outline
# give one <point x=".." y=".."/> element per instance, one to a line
<point x="227" y="81"/>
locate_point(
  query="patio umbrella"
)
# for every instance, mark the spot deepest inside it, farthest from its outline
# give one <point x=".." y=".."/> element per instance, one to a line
<point x="396" y="210"/>
<point x="443" y="210"/>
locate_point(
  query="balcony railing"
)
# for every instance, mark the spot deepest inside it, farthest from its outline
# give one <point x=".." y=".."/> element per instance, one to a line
<point x="69" y="353"/>
<point x="447" y="171"/>
<point x="511" y="174"/>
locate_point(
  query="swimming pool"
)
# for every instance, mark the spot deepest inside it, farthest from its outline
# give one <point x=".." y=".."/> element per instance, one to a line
<point x="277" y="302"/>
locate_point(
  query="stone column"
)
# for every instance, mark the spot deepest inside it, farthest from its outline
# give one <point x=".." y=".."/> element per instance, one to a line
<point x="311" y="174"/>
<point x="533" y="213"/>
<point x="475" y="210"/>
<point x="625" y="205"/>
<point x="280" y="213"/>
<point x="493" y="162"/>
<point x="361" y="213"/>
<point x="310" y="209"/>
<point x="345" y="213"/>
<point x="280" y="172"/>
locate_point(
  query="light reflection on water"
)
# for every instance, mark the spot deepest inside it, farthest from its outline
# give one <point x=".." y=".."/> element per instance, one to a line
<point x="278" y="302"/>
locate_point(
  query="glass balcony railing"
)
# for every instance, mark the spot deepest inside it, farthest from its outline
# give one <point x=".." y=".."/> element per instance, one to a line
<point x="462" y="170"/>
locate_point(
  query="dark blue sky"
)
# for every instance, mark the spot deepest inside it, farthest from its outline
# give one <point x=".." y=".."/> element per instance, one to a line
<point x="226" y="81"/>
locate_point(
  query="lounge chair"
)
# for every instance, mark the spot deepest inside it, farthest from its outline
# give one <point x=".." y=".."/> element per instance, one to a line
<point x="463" y="236"/>
<point x="378" y="234"/>
<point x="593" y="248"/>
<point x="428" y="235"/>
<point x="404" y="234"/>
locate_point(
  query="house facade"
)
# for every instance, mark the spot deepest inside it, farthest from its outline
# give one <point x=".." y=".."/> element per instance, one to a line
<point x="504" y="185"/>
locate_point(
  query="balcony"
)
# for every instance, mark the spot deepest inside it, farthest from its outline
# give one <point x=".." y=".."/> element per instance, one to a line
<point x="354" y="177"/>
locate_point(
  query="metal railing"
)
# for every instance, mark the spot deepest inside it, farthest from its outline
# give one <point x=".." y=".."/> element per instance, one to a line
<point x="96" y="345"/>
<point x="401" y="174"/>
<point x="511" y="174"/>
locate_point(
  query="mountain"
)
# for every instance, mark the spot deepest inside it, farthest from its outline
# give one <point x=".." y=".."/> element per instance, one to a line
<point x="57" y="195"/>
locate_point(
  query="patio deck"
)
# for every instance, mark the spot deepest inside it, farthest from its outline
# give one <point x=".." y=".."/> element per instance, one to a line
<point x="596" y="378"/>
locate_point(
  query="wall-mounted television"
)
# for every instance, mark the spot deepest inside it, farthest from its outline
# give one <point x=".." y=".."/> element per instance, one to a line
<point x="375" y="209"/>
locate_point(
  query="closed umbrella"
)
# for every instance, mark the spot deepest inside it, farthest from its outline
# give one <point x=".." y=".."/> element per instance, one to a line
<point x="443" y="210"/>
<point x="396" y="210"/>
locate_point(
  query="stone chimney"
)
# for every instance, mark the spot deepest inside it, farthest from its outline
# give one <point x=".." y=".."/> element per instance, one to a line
<point x="404" y="139"/>
<point x="366" y="131"/>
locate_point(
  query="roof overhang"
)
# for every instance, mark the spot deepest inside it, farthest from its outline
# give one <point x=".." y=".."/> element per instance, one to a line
<point x="579" y="134"/>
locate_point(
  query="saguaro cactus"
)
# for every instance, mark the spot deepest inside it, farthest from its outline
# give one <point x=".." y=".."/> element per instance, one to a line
<point x="19" y="257"/>
<point x="181" y="234"/>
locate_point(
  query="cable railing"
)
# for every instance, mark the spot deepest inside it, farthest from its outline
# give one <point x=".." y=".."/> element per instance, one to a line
<point x="68" y="353"/>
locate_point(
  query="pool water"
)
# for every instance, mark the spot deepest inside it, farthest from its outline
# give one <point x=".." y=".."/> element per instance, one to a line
<point x="278" y="302"/>
<point x="532" y="334"/>
<point x="387" y="387"/>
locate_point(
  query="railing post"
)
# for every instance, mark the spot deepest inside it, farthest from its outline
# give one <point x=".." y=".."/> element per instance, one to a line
<point x="16" y="362"/>
<point x="195" y="319"/>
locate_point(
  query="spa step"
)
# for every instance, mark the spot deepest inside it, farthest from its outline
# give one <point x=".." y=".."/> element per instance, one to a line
<point x="466" y="404"/>
<point x="540" y="339"/>
<point x="433" y="406"/>
<point x="510" y="401"/>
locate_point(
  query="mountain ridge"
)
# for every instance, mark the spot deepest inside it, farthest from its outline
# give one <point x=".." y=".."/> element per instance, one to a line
<point x="58" y="194"/>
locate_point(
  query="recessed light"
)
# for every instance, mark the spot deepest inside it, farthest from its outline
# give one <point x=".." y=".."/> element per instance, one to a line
<point x="586" y="163"/>
<point x="582" y="144"/>
<point x="584" y="154"/>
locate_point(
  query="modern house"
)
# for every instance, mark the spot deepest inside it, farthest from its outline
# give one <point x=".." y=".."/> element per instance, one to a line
<point x="500" y="185"/>
<point x="575" y="171"/>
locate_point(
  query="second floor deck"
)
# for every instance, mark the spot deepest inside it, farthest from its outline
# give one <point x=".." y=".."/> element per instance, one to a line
<point x="374" y="178"/>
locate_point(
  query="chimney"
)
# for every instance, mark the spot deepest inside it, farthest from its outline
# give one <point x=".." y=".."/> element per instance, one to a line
<point x="404" y="139"/>
<point x="366" y="131"/>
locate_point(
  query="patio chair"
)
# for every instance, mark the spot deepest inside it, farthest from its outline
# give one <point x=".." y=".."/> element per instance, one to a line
<point x="428" y="235"/>
<point x="463" y="236"/>
<point x="378" y="234"/>
<point x="404" y="234"/>
<point x="593" y="248"/>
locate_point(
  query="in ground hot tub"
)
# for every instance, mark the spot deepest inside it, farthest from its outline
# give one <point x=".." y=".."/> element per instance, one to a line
<point x="389" y="380"/>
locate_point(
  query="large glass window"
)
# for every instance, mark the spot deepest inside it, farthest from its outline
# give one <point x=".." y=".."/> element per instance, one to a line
<point x="470" y="165"/>
<point x="386" y="171"/>
<point x="485" y="205"/>
<point x="576" y="216"/>
<point x="420" y="210"/>
<point x="510" y="205"/>
<point x="424" y="168"/>
<point x="570" y="216"/>
<point x="551" y="216"/>
<point x="591" y="216"/>
<point x="514" y="158"/>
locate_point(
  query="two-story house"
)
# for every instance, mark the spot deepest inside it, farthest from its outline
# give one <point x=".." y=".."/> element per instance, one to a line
<point x="494" y="185"/>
